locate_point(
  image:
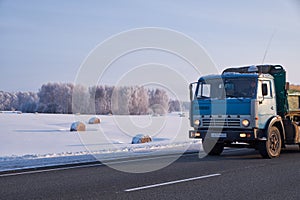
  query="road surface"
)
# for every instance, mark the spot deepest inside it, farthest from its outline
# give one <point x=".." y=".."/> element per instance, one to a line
<point x="236" y="174"/>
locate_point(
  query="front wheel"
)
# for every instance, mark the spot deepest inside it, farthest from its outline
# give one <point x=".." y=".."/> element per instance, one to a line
<point x="272" y="146"/>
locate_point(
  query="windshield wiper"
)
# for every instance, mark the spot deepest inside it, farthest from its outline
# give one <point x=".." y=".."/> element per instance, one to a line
<point x="203" y="97"/>
<point x="232" y="96"/>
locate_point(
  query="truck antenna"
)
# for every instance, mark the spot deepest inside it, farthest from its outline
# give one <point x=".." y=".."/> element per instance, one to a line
<point x="268" y="46"/>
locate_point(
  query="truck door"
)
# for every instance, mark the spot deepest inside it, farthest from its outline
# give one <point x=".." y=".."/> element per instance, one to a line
<point x="266" y="102"/>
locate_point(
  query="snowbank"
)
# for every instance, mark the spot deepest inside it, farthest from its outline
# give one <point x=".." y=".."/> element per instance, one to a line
<point x="31" y="140"/>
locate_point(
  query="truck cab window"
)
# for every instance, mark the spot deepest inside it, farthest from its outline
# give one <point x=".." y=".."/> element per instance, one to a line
<point x="265" y="87"/>
<point x="240" y="88"/>
<point x="227" y="88"/>
<point x="204" y="90"/>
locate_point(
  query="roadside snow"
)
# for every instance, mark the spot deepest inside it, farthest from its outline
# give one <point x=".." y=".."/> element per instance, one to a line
<point x="34" y="140"/>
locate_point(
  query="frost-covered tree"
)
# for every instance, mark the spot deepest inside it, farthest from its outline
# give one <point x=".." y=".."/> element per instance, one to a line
<point x="174" y="106"/>
<point x="100" y="99"/>
<point x="120" y="100"/>
<point x="139" y="101"/>
<point x="27" y="101"/>
<point x="158" y="101"/>
<point x="70" y="98"/>
<point x="8" y="101"/>
<point x="55" y="98"/>
<point x="108" y="96"/>
<point x="47" y="98"/>
<point x="81" y="100"/>
<point x="2" y="100"/>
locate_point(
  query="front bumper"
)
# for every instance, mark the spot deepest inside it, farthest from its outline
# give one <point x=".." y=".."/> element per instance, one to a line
<point x="225" y="135"/>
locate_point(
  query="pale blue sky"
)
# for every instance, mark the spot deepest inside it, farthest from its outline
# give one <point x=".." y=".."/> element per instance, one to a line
<point x="46" y="41"/>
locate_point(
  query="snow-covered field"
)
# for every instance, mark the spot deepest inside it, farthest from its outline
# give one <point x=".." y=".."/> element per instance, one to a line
<point x="32" y="140"/>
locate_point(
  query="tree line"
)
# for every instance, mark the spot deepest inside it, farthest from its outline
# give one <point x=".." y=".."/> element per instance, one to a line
<point x="67" y="98"/>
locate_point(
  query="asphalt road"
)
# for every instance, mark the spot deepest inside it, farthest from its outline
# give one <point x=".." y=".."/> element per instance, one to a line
<point x="237" y="174"/>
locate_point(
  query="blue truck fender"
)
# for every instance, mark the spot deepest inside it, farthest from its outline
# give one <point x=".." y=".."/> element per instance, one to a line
<point x="273" y="121"/>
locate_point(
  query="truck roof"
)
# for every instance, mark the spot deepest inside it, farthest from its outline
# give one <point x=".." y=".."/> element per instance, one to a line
<point x="260" y="69"/>
<point x="252" y="71"/>
<point x="228" y="75"/>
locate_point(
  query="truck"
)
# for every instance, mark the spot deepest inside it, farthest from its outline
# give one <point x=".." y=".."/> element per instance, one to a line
<point x="244" y="107"/>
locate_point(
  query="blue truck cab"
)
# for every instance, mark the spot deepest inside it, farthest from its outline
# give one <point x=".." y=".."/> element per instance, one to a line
<point x="243" y="107"/>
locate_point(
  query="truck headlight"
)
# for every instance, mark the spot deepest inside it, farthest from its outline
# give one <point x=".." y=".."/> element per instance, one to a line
<point x="197" y="122"/>
<point x="245" y="122"/>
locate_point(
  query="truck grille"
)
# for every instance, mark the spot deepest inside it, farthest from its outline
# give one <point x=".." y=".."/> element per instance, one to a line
<point x="220" y="122"/>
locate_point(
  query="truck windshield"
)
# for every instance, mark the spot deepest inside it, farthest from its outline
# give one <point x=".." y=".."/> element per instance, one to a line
<point x="227" y="88"/>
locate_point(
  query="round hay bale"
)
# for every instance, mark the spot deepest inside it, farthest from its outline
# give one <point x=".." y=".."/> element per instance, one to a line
<point x="140" y="138"/>
<point x="94" y="120"/>
<point x="77" y="126"/>
<point x="181" y="114"/>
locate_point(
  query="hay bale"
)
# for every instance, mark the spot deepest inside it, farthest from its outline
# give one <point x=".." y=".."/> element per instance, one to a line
<point x="94" y="120"/>
<point x="77" y="126"/>
<point x="140" y="138"/>
<point x="181" y="114"/>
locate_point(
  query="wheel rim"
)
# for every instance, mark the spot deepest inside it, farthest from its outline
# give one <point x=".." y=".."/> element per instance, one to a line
<point x="274" y="143"/>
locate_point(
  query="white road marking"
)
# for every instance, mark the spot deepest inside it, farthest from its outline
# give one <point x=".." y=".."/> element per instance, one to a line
<point x="171" y="182"/>
<point x="49" y="170"/>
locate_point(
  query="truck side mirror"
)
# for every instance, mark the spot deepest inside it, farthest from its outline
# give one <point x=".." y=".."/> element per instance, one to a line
<point x="191" y="90"/>
<point x="264" y="88"/>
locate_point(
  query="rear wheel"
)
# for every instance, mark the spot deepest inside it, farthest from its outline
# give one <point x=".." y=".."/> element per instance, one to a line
<point x="272" y="146"/>
<point x="212" y="148"/>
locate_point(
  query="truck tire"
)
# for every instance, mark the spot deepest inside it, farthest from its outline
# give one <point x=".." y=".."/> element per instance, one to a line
<point x="272" y="146"/>
<point x="216" y="150"/>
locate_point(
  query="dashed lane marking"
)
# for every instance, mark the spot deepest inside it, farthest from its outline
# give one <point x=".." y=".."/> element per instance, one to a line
<point x="171" y="182"/>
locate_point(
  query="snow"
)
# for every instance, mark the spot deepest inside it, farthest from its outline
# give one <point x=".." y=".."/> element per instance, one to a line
<point x="35" y="140"/>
